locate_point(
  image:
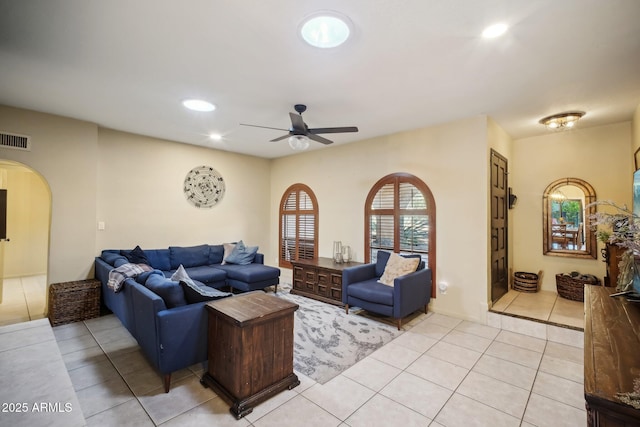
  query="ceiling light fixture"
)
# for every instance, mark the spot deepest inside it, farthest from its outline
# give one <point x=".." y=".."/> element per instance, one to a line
<point x="198" y="105"/>
<point x="298" y="142"/>
<point x="562" y="121"/>
<point x="495" y="30"/>
<point x="325" y="29"/>
<point x="215" y="136"/>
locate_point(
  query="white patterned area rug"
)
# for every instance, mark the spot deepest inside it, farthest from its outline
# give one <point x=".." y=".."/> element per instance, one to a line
<point x="327" y="341"/>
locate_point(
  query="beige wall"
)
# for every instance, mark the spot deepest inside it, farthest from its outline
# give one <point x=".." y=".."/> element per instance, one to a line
<point x="133" y="184"/>
<point x="600" y="156"/>
<point x="28" y="214"/>
<point x="635" y="131"/>
<point x="141" y="201"/>
<point x="444" y="157"/>
<point x="64" y="153"/>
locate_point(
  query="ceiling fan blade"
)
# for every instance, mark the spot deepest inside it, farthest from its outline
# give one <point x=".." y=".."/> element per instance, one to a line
<point x="263" y="127"/>
<point x="297" y="123"/>
<point x="280" y="138"/>
<point x="319" y="139"/>
<point x="334" y="130"/>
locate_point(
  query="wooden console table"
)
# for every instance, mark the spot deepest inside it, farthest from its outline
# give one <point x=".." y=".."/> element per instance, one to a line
<point x="320" y="279"/>
<point x="250" y="349"/>
<point x="611" y="362"/>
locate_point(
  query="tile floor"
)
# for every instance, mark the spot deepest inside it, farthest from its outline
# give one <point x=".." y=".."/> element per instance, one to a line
<point x="544" y="306"/>
<point x="441" y="372"/>
<point x="23" y="299"/>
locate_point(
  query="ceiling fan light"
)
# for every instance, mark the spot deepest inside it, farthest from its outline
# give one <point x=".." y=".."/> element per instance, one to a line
<point x="298" y="142"/>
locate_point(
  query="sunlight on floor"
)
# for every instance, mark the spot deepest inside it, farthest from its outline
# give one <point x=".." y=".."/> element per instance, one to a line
<point x="23" y="299"/>
<point x="544" y="306"/>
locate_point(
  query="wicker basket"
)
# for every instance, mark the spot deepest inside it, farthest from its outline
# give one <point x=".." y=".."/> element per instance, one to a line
<point x="526" y="282"/>
<point x="74" y="301"/>
<point x="572" y="288"/>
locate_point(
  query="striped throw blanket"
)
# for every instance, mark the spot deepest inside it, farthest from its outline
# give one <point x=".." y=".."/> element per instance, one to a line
<point x="118" y="275"/>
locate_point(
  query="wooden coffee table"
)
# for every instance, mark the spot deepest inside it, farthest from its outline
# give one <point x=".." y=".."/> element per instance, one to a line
<point x="250" y="349"/>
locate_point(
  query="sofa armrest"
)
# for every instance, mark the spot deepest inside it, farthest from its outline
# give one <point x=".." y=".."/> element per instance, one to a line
<point x="356" y="274"/>
<point x="258" y="258"/>
<point x="411" y="291"/>
<point x="182" y="336"/>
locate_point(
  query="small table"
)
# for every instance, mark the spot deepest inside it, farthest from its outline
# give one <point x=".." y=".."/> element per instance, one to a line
<point x="319" y="278"/>
<point x="250" y="349"/>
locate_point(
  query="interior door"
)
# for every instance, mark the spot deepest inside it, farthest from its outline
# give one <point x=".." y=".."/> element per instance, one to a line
<point x="499" y="241"/>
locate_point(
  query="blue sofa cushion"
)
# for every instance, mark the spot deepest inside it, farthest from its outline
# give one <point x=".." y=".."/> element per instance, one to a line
<point x="373" y="291"/>
<point x="112" y="257"/>
<point x="249" y="273"/>
<point x="381" y="262"/>
<point x="171" y="292"/>
<point x="216" y="253"/>
<point x="195" y="291"/>
<point x="242" y="254"/>
<point x="142" y="278"/>
<point x="135" y="256"/>
<point x="190" y="256"/>
<point x="204" y="274"/>
<point x="159" y="258"/>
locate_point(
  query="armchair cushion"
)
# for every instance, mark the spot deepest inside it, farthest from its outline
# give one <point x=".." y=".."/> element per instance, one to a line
<point x="398" y="266"/>
<point x="373" y="291"/>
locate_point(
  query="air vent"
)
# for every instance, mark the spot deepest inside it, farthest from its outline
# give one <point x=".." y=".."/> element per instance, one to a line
<point x="12" y="140"/>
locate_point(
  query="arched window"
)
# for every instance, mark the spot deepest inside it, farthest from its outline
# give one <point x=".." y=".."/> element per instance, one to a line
<point x="400" y="216"/>
<point x="298" y="225"/>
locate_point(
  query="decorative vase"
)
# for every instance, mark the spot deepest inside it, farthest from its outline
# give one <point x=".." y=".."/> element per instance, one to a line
<point x="337" y="252"/>
<point x="346" y="253"/>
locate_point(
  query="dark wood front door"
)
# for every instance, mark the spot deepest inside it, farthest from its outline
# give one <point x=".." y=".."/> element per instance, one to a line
<point x="499" y="241"/>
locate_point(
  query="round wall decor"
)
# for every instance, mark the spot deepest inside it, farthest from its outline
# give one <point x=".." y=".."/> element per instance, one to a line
<point x="204" y="187"/>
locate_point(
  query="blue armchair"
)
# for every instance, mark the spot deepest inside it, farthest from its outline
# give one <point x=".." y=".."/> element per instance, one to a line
<point x="411" y="292"/>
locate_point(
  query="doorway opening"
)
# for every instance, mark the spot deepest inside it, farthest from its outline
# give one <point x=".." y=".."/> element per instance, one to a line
<point x="24" y="254"/>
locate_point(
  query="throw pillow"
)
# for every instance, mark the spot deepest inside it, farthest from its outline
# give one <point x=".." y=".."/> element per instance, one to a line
<point x="228" y="248"/>
<point x="170" y="291"/>
<point x="135" y="256"/>
<point x="195" y="291"/>
<point x="398" y="266"/>
<point x="242" y="255"/>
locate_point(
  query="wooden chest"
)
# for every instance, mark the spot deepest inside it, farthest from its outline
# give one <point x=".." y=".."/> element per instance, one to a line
<point x="250" y="349"/>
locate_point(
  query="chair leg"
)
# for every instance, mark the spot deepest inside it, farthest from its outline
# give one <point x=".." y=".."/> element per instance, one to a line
<point x="426" y="308"/>
<point x="167" y="382"/>
<point x="399" y="321"/>
<point x="346" y="308"/>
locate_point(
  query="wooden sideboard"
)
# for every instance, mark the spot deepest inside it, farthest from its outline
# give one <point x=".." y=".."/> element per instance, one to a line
<point x="611" y="362"/>
<point x="320" y="279"/>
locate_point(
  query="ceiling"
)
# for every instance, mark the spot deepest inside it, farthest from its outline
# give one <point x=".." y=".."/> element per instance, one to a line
<point x="128" y="65"/>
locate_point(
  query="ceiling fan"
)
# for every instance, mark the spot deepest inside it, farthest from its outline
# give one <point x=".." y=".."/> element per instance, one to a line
<point x="299" y="133"/>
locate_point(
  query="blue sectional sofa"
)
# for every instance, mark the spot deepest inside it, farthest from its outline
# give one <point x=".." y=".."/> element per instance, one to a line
<point x="169" y="323"/>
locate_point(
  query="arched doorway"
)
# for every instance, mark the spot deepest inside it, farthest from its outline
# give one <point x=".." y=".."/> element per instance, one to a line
<point x="25" y="251"/>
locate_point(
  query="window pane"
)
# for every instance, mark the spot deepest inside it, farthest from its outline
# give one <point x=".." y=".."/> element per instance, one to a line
<point x="384" y="198"/>
<point x="411" y="197"/>
<point x="381" y="227"/>
<point x="290" y="203"/>
<point x="305" y="201"/>
<point x="306" y="232"/>
<point x="414" y="233"/>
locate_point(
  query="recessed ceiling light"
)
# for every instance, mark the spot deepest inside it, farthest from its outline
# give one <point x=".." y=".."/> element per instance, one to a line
<point x="325" y="29"/>
<point x="215" y="136"/>
<point x="198" y="105"/>
<point x="495" y="30"/>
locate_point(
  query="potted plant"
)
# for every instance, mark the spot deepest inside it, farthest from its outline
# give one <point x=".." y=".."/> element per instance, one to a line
<point x="622" y="228"/>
